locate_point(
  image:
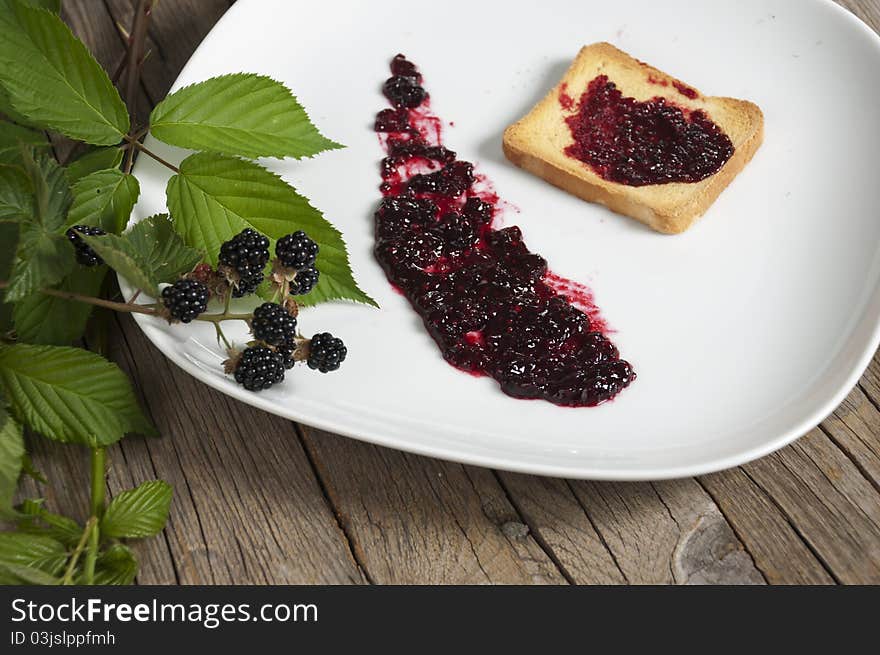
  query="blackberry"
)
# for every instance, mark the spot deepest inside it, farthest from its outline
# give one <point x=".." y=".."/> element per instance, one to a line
<point x="273" y="325"/>
<point x="247" y="253"/>
<point x="404" y="91"/>
<point x="326" y="352"/>
<point x="185" y="299"/>
<point x="305" y="281"/>
<point x="296" y="251"/>
<point x="259" y="368"/>
<point x="286" y="353"/>
<point x="84" y="254"/>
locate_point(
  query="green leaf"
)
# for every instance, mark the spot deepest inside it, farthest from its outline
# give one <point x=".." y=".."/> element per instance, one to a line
<point x="69" y="394"/>
<point x="44" y="254"/>
<point x="92" y="162"/>
<point x="13" y="136"/>
<point x="33" y="518"/>
<point x="53" y="80"/>
<point x="51" y="5"/>
<point x="215" y="197"/>
<point x="161" y="248"/>
<point x="239" y="114"/>
<point x="32" y="551"/>
<point x="120" y="255"/>
<point x="16" y="197"/>
<point x="104" y="199"/>
<point x="8" y="248"/>
<point x="16" y="574"/>
<point x="11" y="454"/>
<point x="116" y="566"/>
<point x="138" y="512"/>
<point x="44" y="319"/>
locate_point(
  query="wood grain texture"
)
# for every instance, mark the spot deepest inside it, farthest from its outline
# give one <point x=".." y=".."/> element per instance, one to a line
<point x="259" y="499"/>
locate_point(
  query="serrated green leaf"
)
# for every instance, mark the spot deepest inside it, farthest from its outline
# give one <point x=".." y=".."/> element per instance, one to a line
<point x="116" y="566"/>
<point x="13" y="137"/>
<point x="32" y="551"/>
<point x="33" y="518"/>
<point x="11" y="454"/>
<point x="98" y="159"/>
<point x="8" y="248"/>
<point x="44" y="319"/>
<point x="53" y="80"/>
<point x="49" y="258"/>
<point x="16" y="196"/>
<point x="138" y="512"/>
<point x="104" y="199"/>
<point x="120" y="255"/>
<point x="48" y="183"/>
<point x="69" y="394"/>
<point x="165" y="254"/>
<point x="239" y="114"/>
<point x="16" y="574"/>
<point x="215" y="197"/>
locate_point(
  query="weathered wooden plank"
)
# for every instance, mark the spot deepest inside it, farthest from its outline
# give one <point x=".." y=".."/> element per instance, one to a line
<point x="560" y="524"/>
<point x="415" y="519"/>
<point x="867" y="10"/>
<point x="855" y="428"/>
<point x="247" y="506"/>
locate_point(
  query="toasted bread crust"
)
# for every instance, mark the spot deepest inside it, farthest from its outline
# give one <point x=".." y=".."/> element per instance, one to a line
<point x="537" y="142"/>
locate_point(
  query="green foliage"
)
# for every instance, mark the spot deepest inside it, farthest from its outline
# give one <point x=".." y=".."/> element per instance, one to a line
<point x="69" y="394"/>
<point x="16" y="195"/>
<point x="44" y="319"/>
<point x="215" y="196"/>
<point x="148" y="254"/>
<point x="238" y="114"/>
<point x="138" y="512"/>
<point x="116" y="566"/>
<point x="11" y="454"/>
<point x="51" y="77"/>
<point x="33" y="518"/>
<point x="104" y="199"/>
<point x="92" y="162"/>
<point x="20" y="552"/>
<point x="44" y="254"/>
<point x="13" y="137"/>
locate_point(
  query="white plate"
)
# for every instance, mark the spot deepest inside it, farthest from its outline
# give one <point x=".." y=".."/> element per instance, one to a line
<point x="745" y="331"/>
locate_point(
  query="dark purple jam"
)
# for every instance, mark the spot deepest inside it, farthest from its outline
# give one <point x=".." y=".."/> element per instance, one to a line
<point x="639" y="143"/>
<point x="489" y="303"/>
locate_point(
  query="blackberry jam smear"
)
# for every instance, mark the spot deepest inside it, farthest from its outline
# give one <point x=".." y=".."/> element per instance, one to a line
<point x="490" y="304"/>
<point x="639" y="143"/>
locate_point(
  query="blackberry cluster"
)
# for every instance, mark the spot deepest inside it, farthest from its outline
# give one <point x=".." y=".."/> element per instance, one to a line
<point x="273" y="325"/>
<point x="84" y="254"/>
<point x="185" y="299"/>
<point x="259" y="368"/>
<point x="247" y="253"/>
<point x="296" y="251"/>
<point x="326" y="352"/>
<point x="304" y="282"/>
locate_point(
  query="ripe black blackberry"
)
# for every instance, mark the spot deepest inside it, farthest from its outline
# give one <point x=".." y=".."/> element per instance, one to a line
<point x="326" y="352"/>
<point x="259" y="368"/>
<point x="273" y="325"/>
<point x="286" y="352"/>
<point x="247" y="254"/>
<point x="305" y="281"/>
<point x="185" y="299"/>
<point x="296" y="251"/>
<point x="84" y="254"/>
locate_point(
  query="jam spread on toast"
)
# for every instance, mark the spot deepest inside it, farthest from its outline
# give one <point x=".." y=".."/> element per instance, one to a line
<point x="490" y="303"/>
<point x="637" y="143"/>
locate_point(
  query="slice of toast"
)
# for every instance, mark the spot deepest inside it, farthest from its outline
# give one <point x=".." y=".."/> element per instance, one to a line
<point x="537" y="142"/>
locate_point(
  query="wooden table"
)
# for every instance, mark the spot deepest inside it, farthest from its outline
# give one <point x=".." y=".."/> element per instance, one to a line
<point x="259" y="499"/>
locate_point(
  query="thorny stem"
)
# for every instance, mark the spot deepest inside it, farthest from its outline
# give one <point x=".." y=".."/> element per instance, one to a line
<point x="221" y="336"/>
<point x="91" y="524"/>
<point x="140" y="146"/>
<point x="135" y="51"/>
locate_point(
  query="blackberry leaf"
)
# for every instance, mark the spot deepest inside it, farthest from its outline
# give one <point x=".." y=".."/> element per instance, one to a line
<point x="53" y="80"/>
<point x="214" y="197"/>
<point x="104" y="199"/>
<point x="13" y="136"/>
<point x="98" y="159"/>
<point x="239" y="114"/>
<point x="69" y="394"/>
<point x="116" y="566"/>
<point x="11" y="454"/>
<point x="138" y="512"/>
